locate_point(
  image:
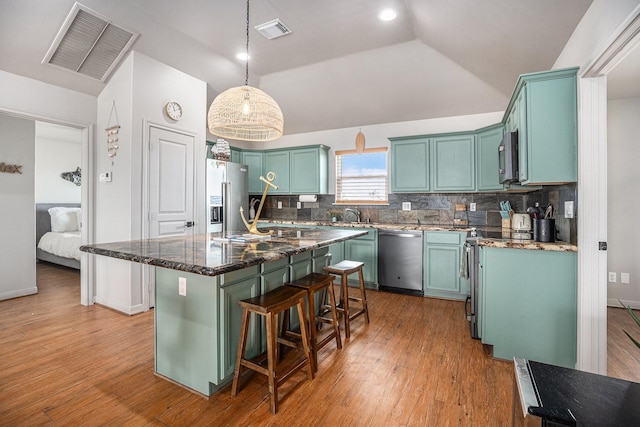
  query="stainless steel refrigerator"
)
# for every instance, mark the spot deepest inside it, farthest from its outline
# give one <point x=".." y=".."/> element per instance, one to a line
<point x="226" y="192"/>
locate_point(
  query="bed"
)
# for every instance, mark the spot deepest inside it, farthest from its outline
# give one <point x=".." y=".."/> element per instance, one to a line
<point x="62" y="246"/>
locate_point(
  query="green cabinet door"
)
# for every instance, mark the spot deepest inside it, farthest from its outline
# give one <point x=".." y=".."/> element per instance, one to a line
<point x="278" y="163"/>
<point x="529" y="304"/>
<point x="487" y="143"/>
<point x="236" y="155"/>
<point x="309" y="171"/>
<point x="254" y="161"/>
<point x="364" y="249"/>
<point x="441" y="268"/>
<point x="453" y="163"/>
<point x="231" y="320"/>
<point x="409" y="165"/>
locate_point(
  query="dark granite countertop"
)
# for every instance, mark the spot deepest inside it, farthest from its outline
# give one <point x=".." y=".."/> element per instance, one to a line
<point x="209" y="255"/>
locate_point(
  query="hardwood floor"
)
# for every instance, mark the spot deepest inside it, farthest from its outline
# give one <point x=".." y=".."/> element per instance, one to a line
<point x="413" y="365"/>
<point x="623" y="357"/>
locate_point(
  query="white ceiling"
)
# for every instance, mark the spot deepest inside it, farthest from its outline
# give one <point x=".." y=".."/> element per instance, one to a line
<point x="341" y="67"/>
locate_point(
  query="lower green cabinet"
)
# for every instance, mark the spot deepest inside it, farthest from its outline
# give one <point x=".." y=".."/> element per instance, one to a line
<point x="528" y="304"/>
<point x="231" y="319"/>
<point x="364" y="249"/>
<point x="442" y="255"/>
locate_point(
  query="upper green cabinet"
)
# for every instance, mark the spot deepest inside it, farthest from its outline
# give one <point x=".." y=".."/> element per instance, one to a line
<point x="299" y="170"/>
<point x="544" y="110"/>
<point x="487" y="142"/>
<point x="278" y="163"/>
<point x="409" y="164"/>
<point x="453" y="163"/>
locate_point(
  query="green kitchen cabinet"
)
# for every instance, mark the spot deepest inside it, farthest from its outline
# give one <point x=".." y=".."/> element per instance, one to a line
<point x="453" y="163"/>
<point x="254" y="161"/>
<point x="231" y="320"/>
<point x="441" y="265"/>
<point x="310" y="170"/>
<point x="528" y="304"/>
<point x="364" y="249"/>
<point x="236" y="155"/>
<point x="410" y="164"/>
<point x="487" y="142"/>
<point x="278" y="163"/>
<point x="544" y="111"/>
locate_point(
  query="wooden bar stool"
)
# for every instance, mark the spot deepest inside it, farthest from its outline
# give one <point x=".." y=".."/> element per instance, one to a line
<point x="344" y="269"/>
<point x="270" y="305"/>
<point x="318" y="283"/>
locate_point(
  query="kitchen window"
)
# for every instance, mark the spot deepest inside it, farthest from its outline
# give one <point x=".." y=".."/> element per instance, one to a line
<point x="361" y="177"/>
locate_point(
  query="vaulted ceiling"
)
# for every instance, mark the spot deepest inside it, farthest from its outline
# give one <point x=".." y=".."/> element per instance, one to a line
<point x="340" y="67"/>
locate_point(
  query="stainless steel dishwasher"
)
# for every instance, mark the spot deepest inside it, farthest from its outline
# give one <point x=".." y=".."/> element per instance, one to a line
<point x="400" y="261"/>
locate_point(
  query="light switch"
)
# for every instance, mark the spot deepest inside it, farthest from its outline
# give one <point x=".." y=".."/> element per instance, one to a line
<point x="568" y="209"/>
<point x="182" y="286"/>
<point x="279" y="205"/>
<point x="612" y="277"/>
<point x="624" y="278"/>
<point x="105" y="177"/>
<point x="472" y="207"/>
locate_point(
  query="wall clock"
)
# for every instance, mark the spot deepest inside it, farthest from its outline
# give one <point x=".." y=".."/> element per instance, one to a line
<point x="173" y="110"/>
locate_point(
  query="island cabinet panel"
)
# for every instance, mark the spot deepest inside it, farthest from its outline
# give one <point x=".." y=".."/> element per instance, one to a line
<point x="231" y="320"/>
<point x="487" y="143"/>
<point x="409" y="165"/>
<point x="278" y="163"/>
<point x="364" y="249"/>
<point x="529" y="304"/>
<point x="310" y="170"/>
<point x="453" y="161"/>
<point x="441" y="266"/>
<point x="187" y="329"/>
<point x="254" y="161"/>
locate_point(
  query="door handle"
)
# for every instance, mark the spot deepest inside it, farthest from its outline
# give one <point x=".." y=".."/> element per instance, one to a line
<point x="189" y="224"/>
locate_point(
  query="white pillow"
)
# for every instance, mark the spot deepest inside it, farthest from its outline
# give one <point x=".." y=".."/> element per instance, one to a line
<point x="64" y="219"/>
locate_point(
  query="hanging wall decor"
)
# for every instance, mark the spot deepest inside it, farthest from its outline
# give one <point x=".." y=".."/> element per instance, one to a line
<point x="112" y="133"/>
<point x="75" y="176"/>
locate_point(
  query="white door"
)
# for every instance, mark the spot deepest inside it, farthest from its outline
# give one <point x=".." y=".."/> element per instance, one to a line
<point x="171" y="182"/>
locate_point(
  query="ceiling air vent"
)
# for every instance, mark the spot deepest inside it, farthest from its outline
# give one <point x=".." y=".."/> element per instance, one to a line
<point x="273" y="29"/>
<point x="89" y="44"/>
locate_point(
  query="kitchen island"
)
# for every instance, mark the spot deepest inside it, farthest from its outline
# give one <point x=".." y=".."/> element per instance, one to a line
<point x="199" y="280"/>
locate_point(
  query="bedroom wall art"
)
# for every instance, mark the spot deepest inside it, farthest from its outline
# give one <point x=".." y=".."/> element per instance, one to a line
<point x="6" y="168"/>
<point x="112" y="133"/>
<point x="74" y="176"/>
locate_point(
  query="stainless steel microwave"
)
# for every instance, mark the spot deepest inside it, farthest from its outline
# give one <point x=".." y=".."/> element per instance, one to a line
<point x="508" y="158"/>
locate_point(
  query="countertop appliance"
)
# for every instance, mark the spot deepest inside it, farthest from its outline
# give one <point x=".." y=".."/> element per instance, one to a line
<point x="227" y="191"/>
<point x="521" y="222"/>
<point x="508" y="158"/>
<point x="400" y="261"/>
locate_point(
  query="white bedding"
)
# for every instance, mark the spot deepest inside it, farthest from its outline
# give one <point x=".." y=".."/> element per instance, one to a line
<point x="66" y="244"/>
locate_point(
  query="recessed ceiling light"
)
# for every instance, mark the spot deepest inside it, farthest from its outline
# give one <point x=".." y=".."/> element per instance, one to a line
<point x="242" y="56"/>
<point x="387" y="15"/>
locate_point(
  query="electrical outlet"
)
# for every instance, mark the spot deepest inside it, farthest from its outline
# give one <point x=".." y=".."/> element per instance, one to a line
<point x="624" y="278"/>
<point x="279" y="205"/>
<point x="299" y="205"/>
<point x="182" y="286"/>
<point x="612" y="277"/>
<point x="406" y="206"/>
<point x="472" y="207"/>
<point x="568" y="209"/>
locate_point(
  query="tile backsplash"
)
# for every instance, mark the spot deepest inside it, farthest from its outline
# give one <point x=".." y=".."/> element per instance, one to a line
<point x="433" y="209"/>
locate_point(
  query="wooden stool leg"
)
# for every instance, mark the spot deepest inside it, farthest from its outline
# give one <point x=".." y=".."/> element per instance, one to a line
<point x="311" y="308"/>
<point x="364" y="296"/>
<point x="242" y="344"/>
<point x="345" y="305"/>
<point x="334" y="314"/>
<point x="305" y="339"/>
<point x="271" y="358"/>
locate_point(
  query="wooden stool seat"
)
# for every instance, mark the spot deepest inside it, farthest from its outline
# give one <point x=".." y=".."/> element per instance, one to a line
<point x="270" y="305"/>
<point x="344" y="269"/>
<point x="312" y="284"/>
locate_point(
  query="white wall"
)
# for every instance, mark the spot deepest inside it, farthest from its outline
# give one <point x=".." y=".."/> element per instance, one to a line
<point x="140" y="87"/>
<point x="623" y="201"/>
<point x="54" y="156"/>
<point x="17" y="212"/>
<point x="376" y="135"/>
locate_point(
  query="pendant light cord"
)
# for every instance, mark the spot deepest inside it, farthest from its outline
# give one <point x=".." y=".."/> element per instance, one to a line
<point x="246" y="79"/>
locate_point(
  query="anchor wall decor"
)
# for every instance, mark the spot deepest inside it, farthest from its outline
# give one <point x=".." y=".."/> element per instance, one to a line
<point x="253" y="227"/>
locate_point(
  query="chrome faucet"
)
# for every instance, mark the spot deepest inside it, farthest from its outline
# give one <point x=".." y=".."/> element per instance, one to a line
<point x="355" y="211"/>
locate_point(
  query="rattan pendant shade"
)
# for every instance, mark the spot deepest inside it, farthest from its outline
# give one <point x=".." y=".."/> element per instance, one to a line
<point x="245" y="113"/>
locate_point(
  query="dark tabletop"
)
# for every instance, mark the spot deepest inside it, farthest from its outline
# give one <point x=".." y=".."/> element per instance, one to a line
<point x="594" y="400"/>
<point x="206" y="254"/>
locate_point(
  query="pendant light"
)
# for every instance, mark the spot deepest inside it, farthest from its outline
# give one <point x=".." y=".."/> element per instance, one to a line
<point x="245" y="113"/>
